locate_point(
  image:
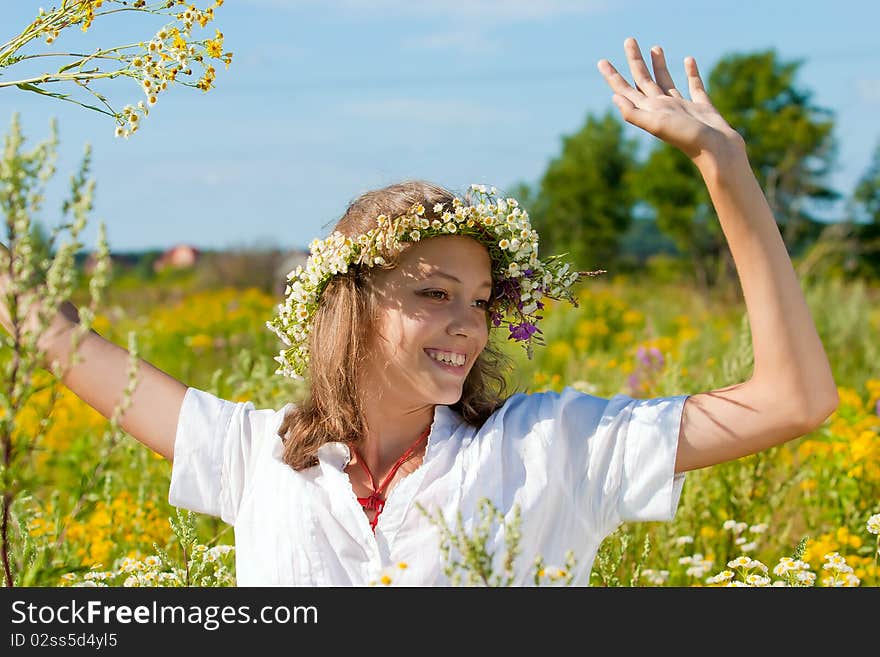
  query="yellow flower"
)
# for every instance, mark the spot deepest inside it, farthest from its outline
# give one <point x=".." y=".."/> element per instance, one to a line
<point x="624" y="338"/>
<point x="816" y="549"/>
<point x="214" y="47"/>
<point x="849" y="398"/>
<point x="809" y="485"/>
<point x="633" y="317"/>
<point x="200" y="341"/>
<point x="559" y="352"/>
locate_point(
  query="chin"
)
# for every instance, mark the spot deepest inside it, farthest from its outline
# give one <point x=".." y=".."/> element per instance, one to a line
<point x="448" y="400"/>
<point x="449" y="396"/>
<point x="442" y="394"/>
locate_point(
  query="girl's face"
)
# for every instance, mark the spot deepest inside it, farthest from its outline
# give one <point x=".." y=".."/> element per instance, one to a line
<point x="434" y="302"/>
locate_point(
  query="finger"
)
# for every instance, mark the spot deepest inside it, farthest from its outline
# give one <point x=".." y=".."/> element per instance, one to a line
<point x="631" y="113"/>
<point x="617" y="82"/>
<point x="695" y="82"/>
<point x="661" y="72"/>
<point x="641" y="75"/>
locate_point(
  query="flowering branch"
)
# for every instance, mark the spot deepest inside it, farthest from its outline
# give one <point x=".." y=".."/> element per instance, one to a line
<point x="170" y="56"/>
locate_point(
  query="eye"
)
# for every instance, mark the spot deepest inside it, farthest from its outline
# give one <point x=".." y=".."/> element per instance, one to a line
<point x="442" y="293"/>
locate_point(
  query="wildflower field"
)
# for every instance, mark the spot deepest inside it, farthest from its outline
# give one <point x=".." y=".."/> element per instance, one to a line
<point x="804" y="513"/>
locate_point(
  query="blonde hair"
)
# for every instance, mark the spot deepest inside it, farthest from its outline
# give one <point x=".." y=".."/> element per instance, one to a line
<point x="333" y="409"/>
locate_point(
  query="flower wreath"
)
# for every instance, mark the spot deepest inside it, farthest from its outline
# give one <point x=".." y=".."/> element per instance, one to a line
<point x="521" y="279"/>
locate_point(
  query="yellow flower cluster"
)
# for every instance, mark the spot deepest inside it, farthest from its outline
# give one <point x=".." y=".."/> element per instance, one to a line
<point x="852" y="435"/>
<point x="78" y="12"/>
<point x="63" y="420"/>
<point x="169" y="54"/>
<point x="122" y="524"/>
<point x="212" y="318"/>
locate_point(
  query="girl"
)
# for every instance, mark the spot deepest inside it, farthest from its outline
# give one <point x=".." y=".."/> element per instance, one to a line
<point x="406" y="415"/>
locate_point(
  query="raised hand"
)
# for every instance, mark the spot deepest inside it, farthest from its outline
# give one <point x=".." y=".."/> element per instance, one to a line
<point x="693" y="126"/>
<point x="60" y="323"/>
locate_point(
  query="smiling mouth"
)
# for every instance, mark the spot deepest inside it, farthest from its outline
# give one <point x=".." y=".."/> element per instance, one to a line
<point x="449" y="367"/>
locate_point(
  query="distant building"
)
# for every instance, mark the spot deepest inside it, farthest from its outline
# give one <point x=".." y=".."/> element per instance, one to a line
<point x="181" y="256"/>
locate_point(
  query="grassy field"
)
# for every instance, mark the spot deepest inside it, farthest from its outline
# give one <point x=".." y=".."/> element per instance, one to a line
<point x="95" y="510"/>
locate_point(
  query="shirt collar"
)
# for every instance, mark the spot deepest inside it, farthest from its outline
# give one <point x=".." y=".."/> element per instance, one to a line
<point x="337" y="455"/>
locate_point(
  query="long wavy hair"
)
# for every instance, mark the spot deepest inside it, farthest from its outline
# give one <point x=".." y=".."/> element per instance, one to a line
<point x="333" y="410"/>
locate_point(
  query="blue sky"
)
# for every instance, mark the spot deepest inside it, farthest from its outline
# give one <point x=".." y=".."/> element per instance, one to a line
<point x="326" y="100"/>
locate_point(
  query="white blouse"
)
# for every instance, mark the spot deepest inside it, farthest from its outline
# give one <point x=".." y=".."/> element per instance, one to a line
<point x="577" y="466"/>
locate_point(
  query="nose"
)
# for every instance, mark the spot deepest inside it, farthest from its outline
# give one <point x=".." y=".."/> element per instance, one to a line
<point x="467" y="320"/>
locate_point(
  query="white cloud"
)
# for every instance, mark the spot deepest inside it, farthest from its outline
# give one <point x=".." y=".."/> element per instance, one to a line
<point x="868" y="90"/>
<point x="494" y="10"/>
<point x="466" y="41"/>
<point x="463" y="27"/>
<point x="439" y="111"/>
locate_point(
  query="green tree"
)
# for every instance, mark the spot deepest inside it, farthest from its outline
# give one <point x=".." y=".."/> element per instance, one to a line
<point x="865" y="201"/>
<point x="864" y="215"/>
<point x="790" y="147"/>
<point x="582" y="204"/>
<point x="789" y="139"/>
<point x="670" y="184"/>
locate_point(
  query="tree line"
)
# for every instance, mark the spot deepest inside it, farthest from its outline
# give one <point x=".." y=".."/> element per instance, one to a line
<point x="592" y="195"/>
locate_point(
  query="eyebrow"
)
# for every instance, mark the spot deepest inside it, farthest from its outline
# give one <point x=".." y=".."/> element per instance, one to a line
<point x="442" y="274"/>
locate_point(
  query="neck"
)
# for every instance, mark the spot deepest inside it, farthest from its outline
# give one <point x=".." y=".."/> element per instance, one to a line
<point x="392" y="428"/>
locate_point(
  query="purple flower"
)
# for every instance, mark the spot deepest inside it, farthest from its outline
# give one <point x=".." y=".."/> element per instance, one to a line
<point x="633" y="382"/>
<point x="651" y="358"/>
<point x="522" y="331"/>
<point x="658" y="355"/>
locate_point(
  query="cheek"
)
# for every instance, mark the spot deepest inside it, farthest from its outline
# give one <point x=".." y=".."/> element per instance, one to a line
<point x="398" y="333"/>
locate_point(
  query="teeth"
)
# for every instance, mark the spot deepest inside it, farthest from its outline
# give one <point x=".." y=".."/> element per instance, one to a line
<point x="452" y="359"/>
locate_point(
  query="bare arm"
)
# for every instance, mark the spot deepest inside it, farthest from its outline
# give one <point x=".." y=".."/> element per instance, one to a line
<point x="791" y="390"/>
<point x="101" y="375"/>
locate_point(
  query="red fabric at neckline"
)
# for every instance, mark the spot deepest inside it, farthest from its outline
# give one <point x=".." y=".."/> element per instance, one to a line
<point x="375" y="500"/>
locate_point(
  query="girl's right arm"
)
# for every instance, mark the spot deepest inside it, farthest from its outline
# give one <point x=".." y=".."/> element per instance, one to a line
<point x="101" y="375"/>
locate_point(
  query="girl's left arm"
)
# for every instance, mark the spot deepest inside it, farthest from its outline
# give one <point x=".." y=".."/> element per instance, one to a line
<point x="791" y="390"/>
